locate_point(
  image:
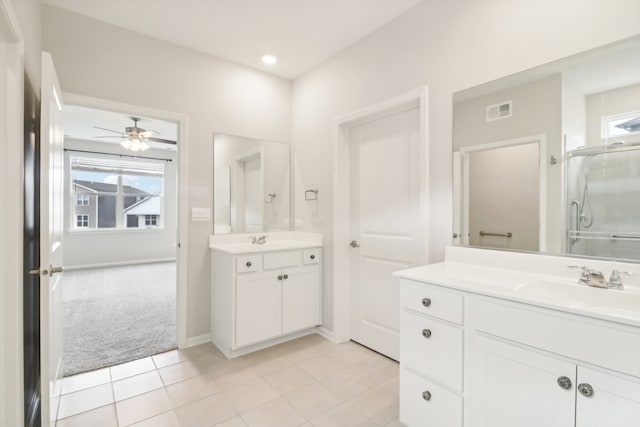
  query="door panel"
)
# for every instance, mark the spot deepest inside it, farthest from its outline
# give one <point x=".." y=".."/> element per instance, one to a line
<point x="51" y="228"/>
<point x="253" y="198"/>
<point x="385" y="221"/>
<point x="615" y="401"/>
<point x="258" y="307"/>
<point x="300" y="298"/>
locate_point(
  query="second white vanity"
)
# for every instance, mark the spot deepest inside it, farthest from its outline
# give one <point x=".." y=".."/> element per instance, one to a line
<point x="488" y="340"/>
<point x="264" y="291"/>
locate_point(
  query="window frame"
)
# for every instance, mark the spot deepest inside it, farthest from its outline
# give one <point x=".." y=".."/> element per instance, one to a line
<point x="81" y="220"/>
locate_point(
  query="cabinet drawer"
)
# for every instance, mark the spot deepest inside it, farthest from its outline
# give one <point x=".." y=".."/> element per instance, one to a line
<point x="247" y="263"/>
<point x="431" y="300"/>
<point x="311" y="256"/>
<point x="443" y="409"/>
<point x="432" y="348"/>
<point x="282" y="259"/>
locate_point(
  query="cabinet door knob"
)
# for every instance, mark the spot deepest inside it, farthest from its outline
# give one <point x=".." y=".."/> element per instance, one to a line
<point x="585" y="389"/>
<point x="426" y="302"/>
<point x="564" y="383"/>
<point x="286" y="276"/>
<point x="426" y="333"/>
<point x="280" y="277"/>
<point x="312" y="257"/>
<point x="248" y="264"/>
<point x="426" y="395"/>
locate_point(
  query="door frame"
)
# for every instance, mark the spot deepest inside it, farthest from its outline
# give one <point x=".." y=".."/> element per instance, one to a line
<point x="11" y="219"/>
<point x="182" y="189"/>
<point x="341" y="274"/>
<point x="238" y="216"/>
<point x="463" y="169"/>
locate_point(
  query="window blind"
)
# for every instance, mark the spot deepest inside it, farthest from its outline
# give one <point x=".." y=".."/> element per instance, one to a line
<point x="99" y="164"/>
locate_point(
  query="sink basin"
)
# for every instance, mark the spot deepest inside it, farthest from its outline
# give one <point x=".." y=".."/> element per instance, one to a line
<point x="270" y="245"/>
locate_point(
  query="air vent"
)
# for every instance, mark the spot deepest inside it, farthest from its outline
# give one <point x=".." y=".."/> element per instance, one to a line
<point x="499" y="111"/>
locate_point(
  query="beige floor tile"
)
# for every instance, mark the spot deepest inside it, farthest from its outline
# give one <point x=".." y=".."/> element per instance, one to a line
<point x="376" y="369"/>
<point x="201" y="350"/>
<point x="395" y="423"/>
<point x="233" y="422"/>
<point x="344" y="415"/>
<point x="206" y="412"/>
<point x="347" y="384"/>
<point x="322" y="366"/>
<point x="191" y="390"/>
<point x="289" y="379"/>
<point x="313" y="400"/>
<point x="130" y="369"/>
<point x="379" y="405"/>
<point x="104" y="416"/>
<point x="85" y="400"/>
<point x="278" y="413"/>
<point x="392" y="385"/>
<point x="251" y="395"/>
<point x="167" y="419"/>
<point x="236" y="378"/>
<point x="349" y="353"/>
<point x="138" y="384"/>
<point x="144" y="406"/>
<point x="85" y="380"/>
<point x="302" y="353"/>
<point x="168" y="358"/>
<point x="179" y="372"/>
<point x="273" y="365"/>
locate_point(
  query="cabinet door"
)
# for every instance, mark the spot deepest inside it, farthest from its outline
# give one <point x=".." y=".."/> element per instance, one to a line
<point x="258" y="307"/>
<point x="613" y="402"/>
<point x="513" y="386"/>
<point x="300" y="298"/>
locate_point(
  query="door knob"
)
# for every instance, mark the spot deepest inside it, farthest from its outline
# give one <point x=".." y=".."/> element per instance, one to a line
<point x="354" y="244"/>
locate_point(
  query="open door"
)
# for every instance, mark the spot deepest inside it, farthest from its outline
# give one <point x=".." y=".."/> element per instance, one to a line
<point x="51" y="229"/>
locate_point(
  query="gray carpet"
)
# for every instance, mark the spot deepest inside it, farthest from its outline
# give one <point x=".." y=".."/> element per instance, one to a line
<point x="117" y="314"/>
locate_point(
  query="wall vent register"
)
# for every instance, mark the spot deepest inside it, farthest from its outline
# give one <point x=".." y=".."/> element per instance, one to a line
<point x="499" y="111"/>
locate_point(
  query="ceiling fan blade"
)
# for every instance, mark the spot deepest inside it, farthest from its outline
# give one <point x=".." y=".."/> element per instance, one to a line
<point x="110" y="130"/>
<point x="164" y="141"/>
<point x="147" y="134"/>
<point x="110" y="136"/>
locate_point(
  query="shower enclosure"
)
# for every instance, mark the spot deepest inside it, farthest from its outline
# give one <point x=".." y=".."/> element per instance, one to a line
<point x="603" y="201"/>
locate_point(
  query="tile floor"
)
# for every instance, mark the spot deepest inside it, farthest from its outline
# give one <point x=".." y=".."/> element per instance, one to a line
<point x="306" y="382"/>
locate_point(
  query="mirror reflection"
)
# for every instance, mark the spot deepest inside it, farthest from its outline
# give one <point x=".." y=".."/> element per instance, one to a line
<point x="549" y="159"/>
<point x="251" y="185"/>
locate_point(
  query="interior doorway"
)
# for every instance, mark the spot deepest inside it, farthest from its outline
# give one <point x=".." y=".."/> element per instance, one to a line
<point x="120" y="233"/>
<point x="380" y="217"/>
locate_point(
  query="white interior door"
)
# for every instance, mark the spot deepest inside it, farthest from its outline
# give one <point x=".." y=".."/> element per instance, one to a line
<point x="385" y="223"/>
<point x="51" y="228"/>
<point x="253" y="199"/>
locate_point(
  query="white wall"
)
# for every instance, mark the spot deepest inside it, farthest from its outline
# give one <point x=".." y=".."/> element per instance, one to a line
<point x="448" y="46"/>
<point x="616" y="101"/>
<point x="104" y="61"/>
<point x="114" y="247"/>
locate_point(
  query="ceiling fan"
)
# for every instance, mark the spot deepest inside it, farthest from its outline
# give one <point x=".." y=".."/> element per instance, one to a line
<point x="135" y="138"/>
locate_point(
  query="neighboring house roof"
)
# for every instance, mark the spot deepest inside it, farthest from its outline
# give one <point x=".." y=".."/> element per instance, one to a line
<point x="106" y="188"/>
<point x="148" y="206"/>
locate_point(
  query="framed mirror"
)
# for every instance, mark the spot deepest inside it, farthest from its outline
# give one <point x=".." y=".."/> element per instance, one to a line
<point x="548" y="160"/>
<point x="251" y="185"/>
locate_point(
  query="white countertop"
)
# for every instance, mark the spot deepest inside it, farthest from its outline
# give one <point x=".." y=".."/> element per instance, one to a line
<point x="548" y="291"/>
<point x="275" y="241"/>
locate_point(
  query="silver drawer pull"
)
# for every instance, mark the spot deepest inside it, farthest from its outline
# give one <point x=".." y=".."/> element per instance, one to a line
<point x="426" y="302"/>
<point x="280" y="277"/>
<point x="285" y="277"/>
<point x="426" y="395"/>
<point x="248" y="264"/>
<point x="426" y="333"/>
<point x="564" y="383"/>
<point x="585" y="389"/>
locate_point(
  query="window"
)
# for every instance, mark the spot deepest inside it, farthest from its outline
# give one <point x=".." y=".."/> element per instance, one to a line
<point x="82" y="221"/>
<point x="151" y="220"/>
<point x="120" y="192"/>
<point x="622" y="124"/>
<point x="82" y="199"/>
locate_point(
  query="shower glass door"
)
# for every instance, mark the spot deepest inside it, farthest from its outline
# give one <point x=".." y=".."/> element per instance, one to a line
<point x="603" y="197"/>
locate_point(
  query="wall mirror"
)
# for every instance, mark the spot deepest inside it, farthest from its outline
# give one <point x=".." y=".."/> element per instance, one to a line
<point x="251" y="185"/>
<point x="548" y="159"/>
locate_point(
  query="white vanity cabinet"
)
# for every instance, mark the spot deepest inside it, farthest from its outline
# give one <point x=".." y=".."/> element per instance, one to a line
<point x="478" y="360"/>
<point x="260" y="299"/>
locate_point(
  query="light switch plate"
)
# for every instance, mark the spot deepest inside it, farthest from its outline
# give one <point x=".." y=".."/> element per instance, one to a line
<point x="200" y="214"/>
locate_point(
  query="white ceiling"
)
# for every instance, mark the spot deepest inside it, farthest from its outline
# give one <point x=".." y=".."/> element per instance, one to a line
<point x="301" y="33"/>
<point x="80" y="123"/>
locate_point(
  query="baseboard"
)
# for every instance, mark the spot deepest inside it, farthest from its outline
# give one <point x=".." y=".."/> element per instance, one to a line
<point x="324" y="332"/>
<point x="200" y="339"/>
<point x="118" y="264"/>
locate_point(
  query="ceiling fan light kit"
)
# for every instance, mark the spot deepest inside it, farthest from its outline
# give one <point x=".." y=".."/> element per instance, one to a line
<point x="134" y="144"/>
<point x="135" y="137"/>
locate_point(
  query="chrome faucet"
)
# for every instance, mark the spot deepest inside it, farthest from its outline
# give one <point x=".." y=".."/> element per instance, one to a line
<point x="591" y="277"/>
<point x="615" y="281"/>
<point x="258" y="240"/>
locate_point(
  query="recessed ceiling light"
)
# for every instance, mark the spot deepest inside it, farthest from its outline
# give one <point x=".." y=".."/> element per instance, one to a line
<point x="269" y="59"/>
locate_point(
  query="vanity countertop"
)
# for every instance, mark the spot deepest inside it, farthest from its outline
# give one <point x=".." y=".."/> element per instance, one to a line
<point x="548" y="291"/>
<point x="275" y="241"/>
